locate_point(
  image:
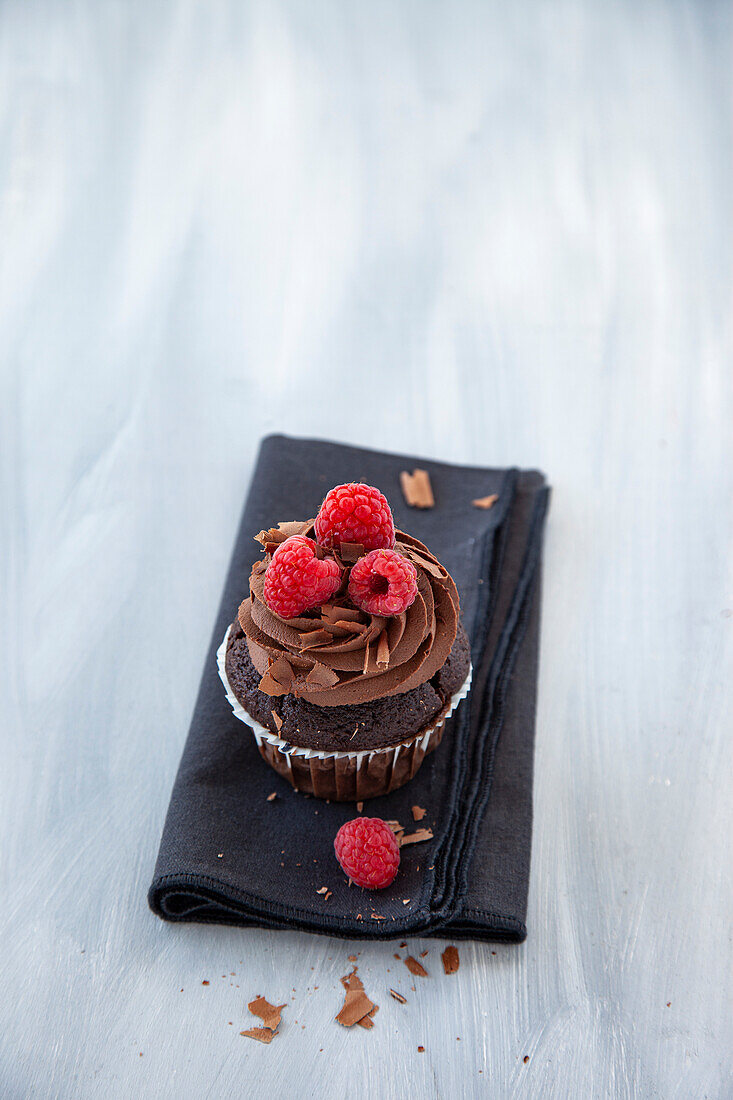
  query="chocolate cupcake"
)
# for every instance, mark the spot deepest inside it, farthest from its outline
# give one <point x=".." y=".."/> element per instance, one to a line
<point x="348" y="656"/>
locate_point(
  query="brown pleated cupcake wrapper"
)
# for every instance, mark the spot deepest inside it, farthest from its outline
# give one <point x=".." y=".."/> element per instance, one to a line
<point x="343" y="776"/>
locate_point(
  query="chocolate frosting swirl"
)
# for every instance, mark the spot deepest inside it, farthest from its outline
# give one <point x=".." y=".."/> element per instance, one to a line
<point x="338" y="655"/>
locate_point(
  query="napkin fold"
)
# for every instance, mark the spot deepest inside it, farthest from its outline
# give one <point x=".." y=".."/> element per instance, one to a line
<point x="229" y="855"/>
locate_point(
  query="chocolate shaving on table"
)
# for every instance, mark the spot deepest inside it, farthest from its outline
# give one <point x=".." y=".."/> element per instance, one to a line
<point x="418" y="813"/>
<point x="367" y="1021"/>
<point x="357" y="1005"/>
<point x="415" y="967"/>
<point x="269" y="1014"/>
<point x="398" y="996"/>
<point x="383" y="650"/>
<point x="350" y="552"/>
<point x="272" y="797"/>
<point x="416" y="837"/>
<point x="485" y="502"/>
<point x="416" y="489"/>
<point x="359" y="808"/>
<point x="262" y="1034"/>
<point x="323" y="890"/>
<point x="451" y="960"/>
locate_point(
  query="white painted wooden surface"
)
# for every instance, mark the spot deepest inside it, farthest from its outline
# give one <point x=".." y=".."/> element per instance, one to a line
<point x="490" y="232"/>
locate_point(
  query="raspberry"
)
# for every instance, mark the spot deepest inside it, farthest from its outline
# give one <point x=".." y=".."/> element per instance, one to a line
<point x="383" y="582"/>
<point x="355" y="513"/>
<point x="296" y="579"/>
<point x="368" y="852"/>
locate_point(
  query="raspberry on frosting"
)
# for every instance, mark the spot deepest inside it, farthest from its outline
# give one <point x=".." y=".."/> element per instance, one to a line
<point x="296" y="579"/>
<point x="368" y="852"/>
<point x="355" y="513"/>
<point x="383" y="582"/>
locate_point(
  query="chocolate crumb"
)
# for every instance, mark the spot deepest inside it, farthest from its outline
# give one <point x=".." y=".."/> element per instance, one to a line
<point x="415" y="967"/>
<point x="416" y="837"/>
<point x="262" y="1034"/>
<point x="272" y="797"/>
<point x="416" y="489"/>
<point x="418" y="813"/>
<point x="323" y="890"/>
<point x="204" y="982"/>
<point x="525" y="1059"/>
<point x="486" y="502"/>
<point x="359" y="805"/>
<point x="424" y="953"/>
<point x="269" y="1014"/>
<point x="405" y="901"/>
<point x="398" y="996"/>
<point x="351" y="958"/>
<point x="451" y="959"/>
<point x="357" y="1008"/>
<point x="421" y="1050"/>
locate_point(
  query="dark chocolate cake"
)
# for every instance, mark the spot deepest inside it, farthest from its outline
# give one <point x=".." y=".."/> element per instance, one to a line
<point x="353" y="728"/>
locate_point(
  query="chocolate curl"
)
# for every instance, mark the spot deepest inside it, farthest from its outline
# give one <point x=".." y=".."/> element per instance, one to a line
<point x="416" y="489"/>
<point x="486" y="502"/>
<point x="321" y="676"/>
<point x="315" y="637"/>
<point x="277" y="535"/>
<point x="278" y="679"/>
<point x="416" y="837"/>
<point x="383" y="651"/>
<point x="333" y="613"/>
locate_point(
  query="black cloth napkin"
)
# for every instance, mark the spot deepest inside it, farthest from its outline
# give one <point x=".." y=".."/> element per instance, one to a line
<point x="230" y="856"/>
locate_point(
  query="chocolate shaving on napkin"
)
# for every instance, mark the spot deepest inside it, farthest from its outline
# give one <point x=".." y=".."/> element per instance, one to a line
<point x="229" y="857"/>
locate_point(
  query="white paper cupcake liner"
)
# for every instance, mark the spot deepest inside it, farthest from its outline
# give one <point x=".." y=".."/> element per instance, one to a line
<point x="349" y="776"/>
